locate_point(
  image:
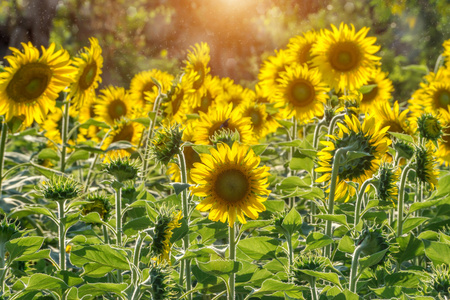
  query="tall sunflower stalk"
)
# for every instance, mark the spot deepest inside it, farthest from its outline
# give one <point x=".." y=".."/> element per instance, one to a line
<point x="64" y="133"/>
<point x="3" y="137"/>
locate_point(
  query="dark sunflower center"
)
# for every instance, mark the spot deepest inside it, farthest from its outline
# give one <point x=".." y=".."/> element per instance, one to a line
<point x="148" y="87"/>
<point x="355" y="168"/>
<point x="344" y="56"/>
<point x="176" y="102"/>
<point x="191" y="156"/>
<point x="394" y="126"/>
<point x="29" y="83"/>
<point x="200" y="69"/>
<point x="370" y="96"/>
<point x="232" y="186"/>
<point x="302" y="93"/>
<point x="446" y="136"/>
<point x="304" y="55"/>
<point x="91" y="110"/>
<point x="256" y="118"/>
<point x="443" y="98"/>
<point x="126" y="134"/>
<point x="205" y="103"/>
<point x="117" y="109"/>
<point x="88" y="76"/>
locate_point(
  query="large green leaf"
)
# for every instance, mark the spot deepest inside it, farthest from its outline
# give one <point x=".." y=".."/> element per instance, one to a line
<point x="406" y="279"/>
<point x="412" y="223"/>
<point x="40" y="282"/>
<point x="346" y="244"/>
<point x="96" y="270"/>
<point x="220" y="267"/>
<point x="23" y="246"/>
<point x="341" y="219"/>
<point x="331" y="277"/>
<point x="409" y="247"/>
<point x="105" y="255"/>
<point x="373" y="259"/>
<point x="271" y="286"/>
<point x="259" y="247"/>
<point x="292" y="222"/>
<point x="134" y="226"/>
<point x="100" y="289"/>
<point x="293" y="182"/>
<point x="317" y="240"/>
<point x="437" y="252"/>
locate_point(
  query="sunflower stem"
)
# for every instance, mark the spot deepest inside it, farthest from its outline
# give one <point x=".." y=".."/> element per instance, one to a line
<point x="291" y="253"/>
<point x="91" y="168"/>
<point x="294" y="137"/>
<point x="4" y="135"/>
<point x="232" y="240"/>
<point x="64" y="130"/>
<point x="333" y="122"/>
<point x="185" y="208"/>
<point x="313" y="172"/>
<point x="354" y="268"/>
<point x="359" y="201"/>
<point x="334" y="174"/>
<point x="62" y="235"/>
<point x="150" y="136"/>
<point x="137" y="249"/>
<point x="118" y="198"/>
<point x="401" y="198"/>
<point x="314" y="289"/>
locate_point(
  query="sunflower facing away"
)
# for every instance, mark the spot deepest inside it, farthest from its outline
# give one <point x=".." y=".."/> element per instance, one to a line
<point x="301" y="93"/>
<point x="197" y="64"/>
<point x="89" y="68"/>
<point x="165" y="223"/>
<point x="345" y="57"/>
<point x="113" y="104"/>
<point x="426" y="164"/>
<point x="388" y="178"/>
<point x="380" y="93"/>
<point x="30" y="85"/>
<point x="213" y="88"/>
<point x="369" y="138"/>
<point x="177" y="105"/>
<point x="231" y="183"/>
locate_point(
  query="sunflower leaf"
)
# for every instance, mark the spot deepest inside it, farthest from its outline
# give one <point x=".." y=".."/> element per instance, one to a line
<point x="179" y="187"/>
<point x="365" y="89"/>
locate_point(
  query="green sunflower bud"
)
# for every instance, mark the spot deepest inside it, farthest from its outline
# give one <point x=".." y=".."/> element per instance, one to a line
<point x="129" y="194"/>
<point x="226" y="136"/>
<point x="426" y="166"/>
<point x="387" y="189"/>
<point x="123" y="169"/>
<point x="166" y="144"/>
<point x="159" y="282"/>
<point x="372" y="241"/>
<point x="98" y="202"/>
<point x="166" y="221"/>
<point x="8" y="231"/>
<point x="404" y="149"/>
<point x="309" y="261"/>
<point x="60" y="188"/>
<point x="441" y="281"/>
<point x="429" y="128"/>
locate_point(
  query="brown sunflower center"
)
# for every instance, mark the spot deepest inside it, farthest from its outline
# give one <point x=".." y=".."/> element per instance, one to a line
<point x="29" y="83"/>
<point x="304" y="55"/>
<point x="176" y="102"/>
<point x="443" y="98"/>
<point x="370" y="96"/>
<point x="344" y="56"/>
<point x="232" y="186"/>
<point x="302" y="92"/>
<point x="125" y="134"/>
<point x="88" y="76"/>
<point x="394" y="126"/>
<point x="191" y="157"/>
<point x="117" y="109"/>
<point x="200" y="69"/>
<point x="256" y="118"/>
<point x="148" y="87"/>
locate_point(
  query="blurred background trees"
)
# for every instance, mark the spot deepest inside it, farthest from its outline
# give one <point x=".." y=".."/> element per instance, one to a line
<point x="139" y="35"/>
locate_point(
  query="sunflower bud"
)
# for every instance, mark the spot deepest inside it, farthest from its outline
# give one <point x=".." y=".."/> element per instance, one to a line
<point x="166" y="144"/>
<point x="60" y="188"/>
<point x="159" y="282"/>
<point x="226" y="136"/>
<point x="123" y="169"/>
<point x="351" y="103"/>
<point x="309" y="261"/>
<point x="387" y="189"/>
<point x="404" y="149"/>
<point x="129" y="194"/>
<point x="372" y="241"/>
<point x="429" y="128"/>
<point x="426" y="166"/>
<point x="441" y="281"/>
<point x="8" y="230"/>
<point x="167" y="221"/>
<point x="99" y="203"/>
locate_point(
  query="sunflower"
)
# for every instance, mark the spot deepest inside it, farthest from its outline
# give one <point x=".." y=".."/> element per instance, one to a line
<point x="165" y="223"/>
<point x="237" y="95"/>
<point x="369" y="138"/>
<point x="197" y="64"/>
<point x="388" y="177"/>
<point x="392" y="117"/>
<point x="271" y="69"/>
<point x="87" y="112"/>
<point x="300" y="47"/>
<point x="89" y="68"/>
<point x="226" y="83"/>
<point x="144" y="92"/>
<point x="345" y="57"/>
<point x="381" y="92"/>
<point x="446" y="52"/>
<point x="213" y="88"/>
<point x="443" y="151"/>
<point x="301" y="93"/>
<point x="231" y="183"/>
<point x="124" y="130"/>
<point x="437" y="93"/>
<point x="176" y="106"/>
<point x="52" y="127"/>
<point x="113" y="104"/>
<point x="425" y="167"/>
<point x="30" y="85"/>
<point x="222" y="117"/>
<point x="258" y="116"/>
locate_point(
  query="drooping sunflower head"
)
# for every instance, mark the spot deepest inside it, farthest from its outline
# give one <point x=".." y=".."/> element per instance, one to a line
<point x="381" y="91"/>
<point x="32" y="82"/>
<point x="165" y="223"/>
<point x="372" y="240"/>
<point x="392" y="117"/>
<point x="301" y="93"/>
<point x="387" y="179"/>
<point x="166" y="143"/>
<point x="231" y="183"/>
<point x="89" y="65"/>
<point x="425" y="166"/>
<point x="440" y="284"/>
<point x="113" y="104"/>
<point x="300" y="47"/>
<point x="369" y="138"/>
<point x="222" y="117"/>
<point x="60" y="188"/>
<point x="345" y="57"/>
<point x="429" y="128"/>
<point x="99" y="203"/>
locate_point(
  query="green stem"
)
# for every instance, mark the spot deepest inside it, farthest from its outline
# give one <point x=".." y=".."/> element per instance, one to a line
<point x="354" y="268"/>
<point x="105" y="234"/>
<point x="62" y="235"/>
<point x="64" y="129"/>
<point x="401" y="198"/>
<point x="313" y="171"/>
<point x="232" y="240"/>
<point x="118" y="198"/>
<point x="294" y="137"/>
<point x="334" y="174"/>
<point x="333" y="123"/>
<point x="150" y="136"/>
<point x="91" y="168"/>
<point x="359" y="200"/>
<point x="2" y="266"/>
<point x="314" y="289"/>
<point x="137" y="249"/>
<point x="291" y="253"/>
<point x="4" y="135"/>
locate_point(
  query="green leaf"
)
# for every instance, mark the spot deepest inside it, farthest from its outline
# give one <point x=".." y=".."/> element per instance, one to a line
<point x="23" y="246"/>
<point x="179" y="232"/>
<point x="371" y="260"/>
<point x="259" y="149"/>
<point x="100" y="289"/>
<point x="306" y="193"/>
<point x="365" y="89"/>
<point x="275" y="205"/>
<point x="119" y="146"/>
<point x="286" y="124"/>
<point x="255" y="224"/>
<point x="43" y="254"/>
<point x="341" y="219"/>
<point x="317" y="240"/>
<point x="96" y="150"/>
<point x="96" y="270"/>
<point x="39" y="282"/>
<point x="293" y="182"/>
<point x="78" y="155"/>
<point x="92" y="218"/>
<point x="259" y="248"/>
<point x="202" y="148"/>
<point x="352" y="155"/>
<point x="143" y="121"/>
<point x="402" y="137"/>
<point x="390" y="292"/>
<point x="104" y="255"/>
<point x="179" y="187"/>
<point x="421" y="69"/>
<point x="443" y="187"/>
<point x="49" y="173"/>
<point x="409" y="247"/>
<point x="346" y="244"/>
<point x="346" y="295"/>
<point x="437" y="252"/>
<point x="292" y="222"/>
<point x="271" y="286"/>
<point x="412" y="223"/>
<point x="93" y="122"/>
<point x="134" y="226"/>
<point x="220" y="267"/>
<point x="405" y="279"/>
<point x="331" y="277"/>
<point x="301" y="162"/>
<point x="30" y="210"/>
<point x="48" y="153"/>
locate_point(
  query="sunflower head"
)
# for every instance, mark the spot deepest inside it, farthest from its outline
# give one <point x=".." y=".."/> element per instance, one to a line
<point x="425" y="166"/>
<point x="372" y="240"/>
<point x="167" y="143"/>
<point x="230" y="183"/>
<point x="225" y="136"/>
<point x="129" y="194"/>
<point x="309" y="261"/>
<point x="159" y="282"/>
<point x="387" y="189"/>
<point x="404" y="149"/>
<point x="60" y="188"/>
<point x="166" y="222"/>
<point x="99" y="203"/>
<point x="430" y="128"/>
<point x="123" y="169"/>
<point x="8" y="231"/>
<point x="350" y="103"/>
<point x="440" y="283"/>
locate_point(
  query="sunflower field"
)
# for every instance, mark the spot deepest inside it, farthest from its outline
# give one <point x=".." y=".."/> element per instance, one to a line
<point x="320" y="179"/>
